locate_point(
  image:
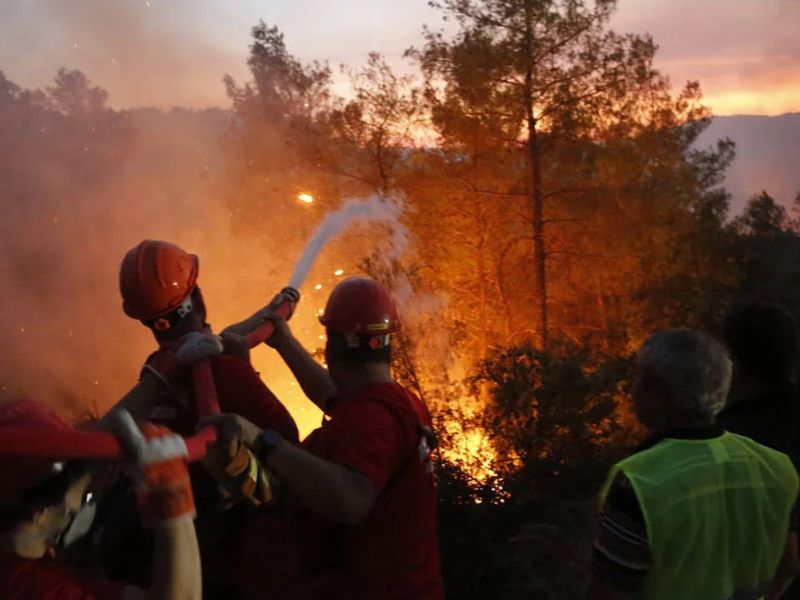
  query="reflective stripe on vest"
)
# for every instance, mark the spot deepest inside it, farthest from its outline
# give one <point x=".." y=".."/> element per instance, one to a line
<point x="717" y="515"/>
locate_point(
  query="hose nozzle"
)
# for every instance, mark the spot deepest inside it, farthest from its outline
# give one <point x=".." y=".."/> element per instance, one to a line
<point x="292" y="293"/>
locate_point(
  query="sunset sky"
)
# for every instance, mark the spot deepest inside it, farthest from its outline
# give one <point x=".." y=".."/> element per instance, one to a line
<point x="746" y="53"/>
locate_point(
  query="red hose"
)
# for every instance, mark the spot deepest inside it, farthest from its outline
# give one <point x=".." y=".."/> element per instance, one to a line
<point x="264" y="331"/>
<point x="70" y="445"/>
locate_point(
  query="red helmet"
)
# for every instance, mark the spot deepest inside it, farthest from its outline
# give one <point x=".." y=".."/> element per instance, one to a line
<point x="155" y="278"/>
<point x="362" y="306"/>
<point x="21" y="474"/>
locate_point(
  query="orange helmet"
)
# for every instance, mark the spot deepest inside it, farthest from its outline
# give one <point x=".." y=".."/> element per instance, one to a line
<point x="155" y="278"/>
<point x="361" y="306"/>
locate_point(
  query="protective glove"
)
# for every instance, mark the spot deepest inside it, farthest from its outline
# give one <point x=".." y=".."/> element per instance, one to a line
<point x="235" y="345"/>
<point x="169" y="363"/>
<point x="238" y="473"/>
<point x="196" y="346"/>
<point x="282" y="331"/>
<point x="164" y="489"/>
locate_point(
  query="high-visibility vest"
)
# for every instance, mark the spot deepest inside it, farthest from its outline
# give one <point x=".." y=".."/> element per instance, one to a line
<point x="717" y="515"/>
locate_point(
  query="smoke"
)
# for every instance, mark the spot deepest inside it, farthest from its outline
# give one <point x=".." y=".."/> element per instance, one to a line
<point x="78" y="190"/>
<point x="146" y="53"/>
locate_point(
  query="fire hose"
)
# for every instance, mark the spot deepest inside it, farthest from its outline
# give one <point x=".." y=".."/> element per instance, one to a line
<point x="66" y="445"/>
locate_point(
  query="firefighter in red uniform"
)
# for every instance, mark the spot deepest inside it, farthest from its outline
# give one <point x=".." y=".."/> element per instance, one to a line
<point x="362" y="484"/>
<point x="46" y="505"/>
<point x="158" y="283"/>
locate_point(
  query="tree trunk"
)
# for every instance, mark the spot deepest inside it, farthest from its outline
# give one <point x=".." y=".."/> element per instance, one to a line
<point x="537" y="199"/>
<point x="482" y="298"/>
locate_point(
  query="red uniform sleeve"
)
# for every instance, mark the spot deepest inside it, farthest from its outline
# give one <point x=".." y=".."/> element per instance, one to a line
<point x="373" y="438"/>
<point x="241" y="391"/>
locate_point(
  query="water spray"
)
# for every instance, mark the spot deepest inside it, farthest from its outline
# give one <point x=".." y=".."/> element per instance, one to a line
<point x="101" y="445"/>
<point x="334" y="223"/>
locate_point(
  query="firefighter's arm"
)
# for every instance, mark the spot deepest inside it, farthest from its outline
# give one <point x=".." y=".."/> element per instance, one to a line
<point x="174" y="574"/>
<point x="787" y="570"/>
<point x="313" y="377"/>
<point x="326" y="488"/>
<point x="166" y="504"/>
<point x="331" y="490"/>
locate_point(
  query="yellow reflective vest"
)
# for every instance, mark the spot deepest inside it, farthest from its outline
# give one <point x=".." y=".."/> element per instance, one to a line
<point x="717" y="515"/>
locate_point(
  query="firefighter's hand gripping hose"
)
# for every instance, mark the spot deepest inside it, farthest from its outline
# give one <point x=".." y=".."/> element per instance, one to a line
<point x="262" y="324"/>
<point x="238" y="473"/>
<point x="164" y="489"/>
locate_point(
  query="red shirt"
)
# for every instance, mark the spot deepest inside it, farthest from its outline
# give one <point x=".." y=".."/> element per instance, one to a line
<point x="394" y="553"/>
<point x="46" y="579"/>
<point x="239" y="391"/>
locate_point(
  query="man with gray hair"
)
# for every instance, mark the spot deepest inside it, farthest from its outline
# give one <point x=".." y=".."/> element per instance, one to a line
<point x="695" y="513"/>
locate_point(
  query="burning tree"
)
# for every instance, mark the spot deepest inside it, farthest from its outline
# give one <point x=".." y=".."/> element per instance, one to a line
<point x="541" y="111"/>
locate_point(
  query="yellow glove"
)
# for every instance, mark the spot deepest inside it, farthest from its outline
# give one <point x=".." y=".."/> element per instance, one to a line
<point x="238" y="474"/>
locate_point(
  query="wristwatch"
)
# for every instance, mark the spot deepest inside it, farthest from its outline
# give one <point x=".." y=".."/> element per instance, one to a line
<point x="266" y="443"/>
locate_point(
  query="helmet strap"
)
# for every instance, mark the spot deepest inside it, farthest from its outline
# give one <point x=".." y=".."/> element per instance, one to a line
<point x="165" y="323"/>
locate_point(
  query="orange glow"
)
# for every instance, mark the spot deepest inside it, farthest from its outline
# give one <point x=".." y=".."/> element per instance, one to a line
<point x="775" y="100"/>
<point x="475" y="453"/>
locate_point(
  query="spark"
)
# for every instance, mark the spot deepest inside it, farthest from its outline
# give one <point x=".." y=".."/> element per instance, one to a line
<point x="75" y="45"/>
<point x="339" y="272"/>
<point x="306" y="198"/>
<point x="22" y="329"/>
<point x="318" y="286"/>
<point x="113" y="60"/>
<point x="147" y="3"/>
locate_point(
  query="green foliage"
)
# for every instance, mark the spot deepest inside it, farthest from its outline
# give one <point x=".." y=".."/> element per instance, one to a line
<point x="554" y="423"/>
<point x="549" y="414"/>
<point x="766" y="248"/>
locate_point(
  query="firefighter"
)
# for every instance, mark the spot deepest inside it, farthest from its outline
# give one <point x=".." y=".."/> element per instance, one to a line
<point x="46" y="505"/>
<point x="158" y="283"/>
<point x="362" y="485"/>
<point x="696" y="513"/>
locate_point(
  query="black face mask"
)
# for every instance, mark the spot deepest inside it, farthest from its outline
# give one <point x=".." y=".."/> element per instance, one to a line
<point x="80" y="523"/>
